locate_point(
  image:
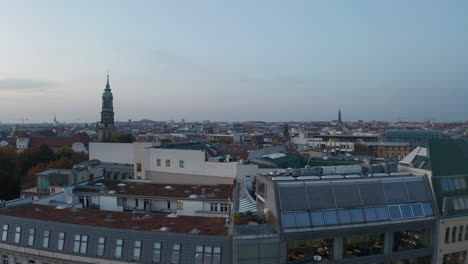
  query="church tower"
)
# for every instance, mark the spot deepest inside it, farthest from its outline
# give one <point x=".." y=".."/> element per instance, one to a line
<point x="339" y="116"/>
<point x="106" y="126"/>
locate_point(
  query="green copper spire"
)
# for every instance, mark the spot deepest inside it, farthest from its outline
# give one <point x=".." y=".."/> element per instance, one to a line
<point x="107" y="91"/>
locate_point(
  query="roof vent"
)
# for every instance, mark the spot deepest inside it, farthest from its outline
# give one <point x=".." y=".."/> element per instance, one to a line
<point x="194" y="231"/>
<point x="193" y="196"/>
<point x="60" y="207"/>
<point x="172" y="215"/>
<point x="170" y="188"/>
<point x="36" y="209"/>
<point x="111" y="192"/>
<point x="164" y="229"/>
<point x="147" y="216"/>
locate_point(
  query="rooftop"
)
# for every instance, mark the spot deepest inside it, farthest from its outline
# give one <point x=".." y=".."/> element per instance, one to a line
<point x="213" y="226"/>
<point x="220" y="191"/>
<point x="54" y="171"/>
<point x="386" y="144"/>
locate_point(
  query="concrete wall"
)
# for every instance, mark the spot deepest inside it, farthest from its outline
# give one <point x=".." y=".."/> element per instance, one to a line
<point x="452" y="247"/>
<point x="112" y="152"/>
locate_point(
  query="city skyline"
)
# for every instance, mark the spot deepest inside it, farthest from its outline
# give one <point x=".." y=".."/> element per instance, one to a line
<point x="246" y="61"/>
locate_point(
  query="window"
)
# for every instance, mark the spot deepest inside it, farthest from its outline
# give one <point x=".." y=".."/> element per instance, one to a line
<point x="454" y="234"/>
<point x="31" y="237"/>
<point x="100" y="248"/>
<point x="289" y="220"/>
<point x="5" y="259"/>
<point x="137" y="250"/>
<point x="213" y="207"/>
<point x="181" y="163"/>
<point x="344" y="217"/>
<point x="223" y="207"/>
<point x="180" y="205"/>
<point x="157" y="252"/>
<point x="330" y="217"/>
<point x="406" y="211"/>
<point x="5" y="233"/>
<point x="460" y="233"/>
<point x="81" y="244"/>
<point x="175" y="254"/>
<point x="299" y="249"/>
<point x="216" y="255"/>
<point x="121" y="201"/>
<point x="168" y="163"/>
<point x="118" y="248"/>
<point x="363" y="245"/>
<point x="158" y="162"/>
<point x="418" y="210"/>
<point x="409" y="240"/>
<point x="427" y="209"/>
<point x="395" y="212"/>
<point x="199" y="255"/>
<point x="138" y="167"/>
<point x="466" y="233"/>
<point x="45" y="240"/>
<point x="447" y="235"/>
<point x="357" y="215"/>
<point x="61" y="240"/>
<point x="17" y="234"/>
<point x="302" y="219"/>
<point x="455" y="258"/>
<point x="317" y="218"/>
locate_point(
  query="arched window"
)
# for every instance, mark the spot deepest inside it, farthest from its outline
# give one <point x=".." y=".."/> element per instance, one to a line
<point x="460" y="233"/>
<point x="466" y="233"/>
<point x="454" y="234"/>
<point x="447" y="235"/>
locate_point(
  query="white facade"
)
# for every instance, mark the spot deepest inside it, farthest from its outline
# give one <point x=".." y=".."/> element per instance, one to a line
<point x="171" y="165"/>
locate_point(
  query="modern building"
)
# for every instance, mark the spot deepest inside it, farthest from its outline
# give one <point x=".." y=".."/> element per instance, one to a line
<point x="359" y="219"/>
<point x="414" y="137"/>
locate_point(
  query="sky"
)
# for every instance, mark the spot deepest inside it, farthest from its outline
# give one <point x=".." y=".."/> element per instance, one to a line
<point x="234" y="60"/>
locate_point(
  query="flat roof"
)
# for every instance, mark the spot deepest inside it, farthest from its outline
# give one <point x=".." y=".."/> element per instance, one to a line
<point x="394" y="144"/>
<point x="212" y="226"/>
<point x="219" y="191"/>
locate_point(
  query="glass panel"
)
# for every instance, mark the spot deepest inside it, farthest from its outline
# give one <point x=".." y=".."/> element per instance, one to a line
<point x="301" y="249"/>
<point x="445" y="186"/>
<point x="406" y="211"/>
<point x="344" y="216"/>
<point x="289" y="220"/>
<point x="371" y="214"/>
<point x="382" y="213"/>
<point x="395" y="212"/>
<point x="363" y="245"/>
<point x="357" y="215"/>
<point x="409" y="240"/>
<point x="199" y="255"/>
<point x="330" y="217"/>
<point x="317" y="218"/>
<point x="451" y="185"/>
<point x="302" y="219"/>
<point x="418" y="210"/>
<point x="427" y="209"/>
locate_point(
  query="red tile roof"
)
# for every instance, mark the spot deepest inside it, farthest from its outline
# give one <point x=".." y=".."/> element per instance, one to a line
<point x="213" y="226"/>
<point x="60" y="141"/>
<point x="220" y="191"/>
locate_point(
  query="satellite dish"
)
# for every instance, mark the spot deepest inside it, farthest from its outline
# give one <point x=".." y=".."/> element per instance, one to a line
<point x="69" y="199"/>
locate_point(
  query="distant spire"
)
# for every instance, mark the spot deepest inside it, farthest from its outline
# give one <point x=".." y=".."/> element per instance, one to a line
<point x="339" y="116"/>
<point x="107" y="85"/>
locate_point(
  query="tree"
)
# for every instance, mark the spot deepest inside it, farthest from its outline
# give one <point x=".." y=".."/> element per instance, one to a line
<point x="124" y="138"/>
<point x="32" y="156"/>
<point x="9" y="188"/>
<point x="64" y="152"/>
<point x="286" y="130"/>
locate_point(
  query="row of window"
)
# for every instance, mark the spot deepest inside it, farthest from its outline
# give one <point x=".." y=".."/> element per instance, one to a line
<point x="453" y="184"/>
<point x="356" y="215"/>
<point x="168" y="163"/>
<point x="456" y="236"/>
<point x="203" y="254"/>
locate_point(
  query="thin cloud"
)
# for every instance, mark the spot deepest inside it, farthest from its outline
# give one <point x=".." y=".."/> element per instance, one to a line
<point x="14" y="84"/>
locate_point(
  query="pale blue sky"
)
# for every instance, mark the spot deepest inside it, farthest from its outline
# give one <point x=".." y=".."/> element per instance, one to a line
<point x="235" y="60"/>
